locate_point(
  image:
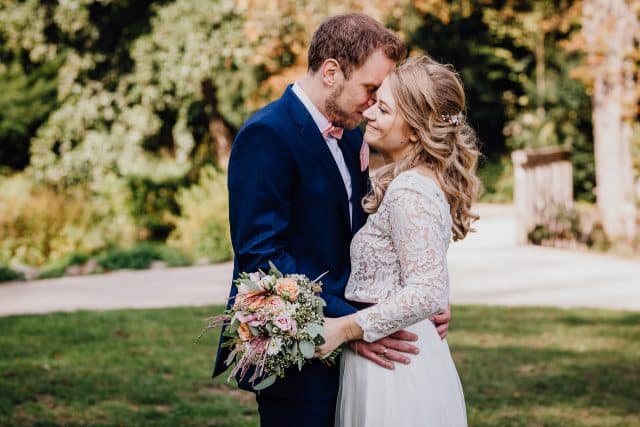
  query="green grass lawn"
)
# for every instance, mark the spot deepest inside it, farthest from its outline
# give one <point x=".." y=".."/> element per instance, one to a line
<point x="519" y="367"/>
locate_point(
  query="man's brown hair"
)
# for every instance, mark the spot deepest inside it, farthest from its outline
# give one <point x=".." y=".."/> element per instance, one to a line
<point x="350" y="39"/>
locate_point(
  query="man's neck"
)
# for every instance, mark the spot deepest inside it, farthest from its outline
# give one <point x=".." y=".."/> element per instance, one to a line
<point x="315" y="91"/>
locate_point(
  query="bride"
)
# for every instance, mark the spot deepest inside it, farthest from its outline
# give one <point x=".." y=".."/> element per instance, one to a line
<point x="419" y="201"/>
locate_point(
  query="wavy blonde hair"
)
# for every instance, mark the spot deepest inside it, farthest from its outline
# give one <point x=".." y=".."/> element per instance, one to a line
<point x="430" y="98"/>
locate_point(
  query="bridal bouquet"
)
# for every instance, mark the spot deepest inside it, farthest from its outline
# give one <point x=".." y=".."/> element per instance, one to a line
<point x="275" y="323"/>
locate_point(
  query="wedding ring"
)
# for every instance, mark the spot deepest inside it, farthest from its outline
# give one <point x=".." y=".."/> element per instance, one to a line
<point x="384" y="351"/>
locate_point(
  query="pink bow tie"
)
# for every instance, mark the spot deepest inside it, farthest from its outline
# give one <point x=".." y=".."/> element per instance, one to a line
<point x="332" y="131"/>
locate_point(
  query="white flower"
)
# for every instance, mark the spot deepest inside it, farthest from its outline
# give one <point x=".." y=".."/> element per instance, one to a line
<point x="243" y="289"/>
<point x="275" y="344"/>
<point x="266" y="282"/>
<point x="290" y="309"/>
<point x="255" y="277"/>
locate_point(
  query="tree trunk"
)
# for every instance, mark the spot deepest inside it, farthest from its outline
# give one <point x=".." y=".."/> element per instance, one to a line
<point x="610" y="28"/>
<point x="218" y="130"/>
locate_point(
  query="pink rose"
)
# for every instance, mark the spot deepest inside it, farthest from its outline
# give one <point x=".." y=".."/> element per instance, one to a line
<point x="283" y="322"/>
<point x="245" y="317"/>
<point x="286" y="323"/>
<point x="258" y="320"/>
<point x="274" y="304"/>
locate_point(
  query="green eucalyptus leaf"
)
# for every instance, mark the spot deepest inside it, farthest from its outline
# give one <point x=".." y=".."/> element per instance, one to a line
<point x="265" y="382"/>
<point x="274" y="270"/>
<point x="307" y="348"/>
<point x="314" y="329"/>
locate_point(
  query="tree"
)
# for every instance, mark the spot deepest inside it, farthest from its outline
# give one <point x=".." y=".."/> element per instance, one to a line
<point x="611" y="31"/>
<point x="147" y="91"/>
<point x="553" y="109"/>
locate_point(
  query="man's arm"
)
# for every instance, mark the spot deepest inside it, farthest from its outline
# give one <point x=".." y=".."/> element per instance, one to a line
<point x="261" y="179"/>
<point x="396" y="346"/>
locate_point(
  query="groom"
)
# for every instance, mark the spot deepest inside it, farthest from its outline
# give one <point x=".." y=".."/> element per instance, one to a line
<point x="297" y="173"/>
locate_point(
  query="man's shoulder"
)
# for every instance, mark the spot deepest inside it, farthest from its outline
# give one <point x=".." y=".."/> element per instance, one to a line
<point x="274" y="115"/>
<point x="269" y="126"/>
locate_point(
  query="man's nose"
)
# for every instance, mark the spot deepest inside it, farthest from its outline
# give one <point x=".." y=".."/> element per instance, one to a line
<point x="372" y="100"/>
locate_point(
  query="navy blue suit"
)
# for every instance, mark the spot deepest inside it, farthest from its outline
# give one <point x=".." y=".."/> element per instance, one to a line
<point x="288" y="205"/>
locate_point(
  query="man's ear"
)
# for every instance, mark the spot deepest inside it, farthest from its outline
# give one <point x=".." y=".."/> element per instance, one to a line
<point x="331" y="72"/>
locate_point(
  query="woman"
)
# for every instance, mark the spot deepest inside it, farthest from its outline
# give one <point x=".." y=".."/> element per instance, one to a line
<point x="419" y="201"/>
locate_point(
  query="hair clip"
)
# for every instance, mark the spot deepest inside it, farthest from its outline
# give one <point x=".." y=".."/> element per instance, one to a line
<point x="454" y="119"/>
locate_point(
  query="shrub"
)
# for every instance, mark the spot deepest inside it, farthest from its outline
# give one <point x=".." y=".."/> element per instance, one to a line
<point x="39" y="224"/>
<point x="7" y="274"/>
<point x="58" y="267"/>
<point x="140" y="257"/>
<point x="577" y="226"/>
<point x="202" y="229"/>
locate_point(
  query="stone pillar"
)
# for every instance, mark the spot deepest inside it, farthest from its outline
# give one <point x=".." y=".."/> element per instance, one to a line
<point x="543" y="182"/>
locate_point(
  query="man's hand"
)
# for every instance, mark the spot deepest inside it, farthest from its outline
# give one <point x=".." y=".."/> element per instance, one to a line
<point x="442" y="322"/>
<point x="387" y="350"/>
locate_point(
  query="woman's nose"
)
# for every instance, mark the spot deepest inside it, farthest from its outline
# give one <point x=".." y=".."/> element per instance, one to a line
<point x="368" y="113"/>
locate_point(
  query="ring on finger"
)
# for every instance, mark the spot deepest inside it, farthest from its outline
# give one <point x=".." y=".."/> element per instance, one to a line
<point x="383" y="352"/>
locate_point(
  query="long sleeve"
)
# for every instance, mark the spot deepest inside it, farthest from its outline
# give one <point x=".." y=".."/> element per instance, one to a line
<point x="260" y="187"/>
<point x="420" y="237"/>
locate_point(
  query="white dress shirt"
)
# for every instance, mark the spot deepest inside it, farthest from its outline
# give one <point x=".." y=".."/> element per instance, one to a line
<point x="322" y="123"/>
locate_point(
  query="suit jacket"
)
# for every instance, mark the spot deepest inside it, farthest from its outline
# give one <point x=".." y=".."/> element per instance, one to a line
<point x="288" y="205"/>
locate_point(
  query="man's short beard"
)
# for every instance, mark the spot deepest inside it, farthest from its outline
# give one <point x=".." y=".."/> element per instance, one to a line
<point x="337" y="116"/>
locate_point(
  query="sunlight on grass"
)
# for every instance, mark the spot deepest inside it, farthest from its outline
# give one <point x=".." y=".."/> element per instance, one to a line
<point x="519" y="367"/>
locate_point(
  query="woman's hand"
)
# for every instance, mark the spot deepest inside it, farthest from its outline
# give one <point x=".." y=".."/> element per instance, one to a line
<point x="337" y="331"/>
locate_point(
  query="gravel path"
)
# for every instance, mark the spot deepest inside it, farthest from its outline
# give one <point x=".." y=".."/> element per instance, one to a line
<point x="486" y="268"/>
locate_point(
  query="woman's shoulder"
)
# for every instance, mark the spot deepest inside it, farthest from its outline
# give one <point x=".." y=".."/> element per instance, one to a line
<point x="416" y="181"/>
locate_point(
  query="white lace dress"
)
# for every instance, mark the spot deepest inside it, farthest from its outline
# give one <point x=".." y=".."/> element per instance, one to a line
<point x="398" y="262"/>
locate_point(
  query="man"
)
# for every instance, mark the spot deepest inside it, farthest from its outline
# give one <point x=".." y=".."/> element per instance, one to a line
<point x="295" y="185"/>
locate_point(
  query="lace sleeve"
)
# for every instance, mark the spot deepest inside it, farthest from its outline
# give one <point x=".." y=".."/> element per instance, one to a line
<point x="421" y="243"/>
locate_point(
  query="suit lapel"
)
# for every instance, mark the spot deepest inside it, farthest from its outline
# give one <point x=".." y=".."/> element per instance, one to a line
<point x="312" y="141"/>
<point x="352" y="159"/>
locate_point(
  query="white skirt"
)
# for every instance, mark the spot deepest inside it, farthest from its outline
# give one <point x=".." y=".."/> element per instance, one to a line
<point x="425" y="393"/>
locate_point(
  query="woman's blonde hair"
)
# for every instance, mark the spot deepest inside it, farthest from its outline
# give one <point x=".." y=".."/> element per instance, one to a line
<point x="430" y="98"/>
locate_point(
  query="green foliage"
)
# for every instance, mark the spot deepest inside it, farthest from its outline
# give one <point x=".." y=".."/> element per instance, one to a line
<point x="134" y="117"/>
<point x="202" y="229"/>
<point x="57" y="267"/>
<point x="139" y="85"/>
<point x="140" y="257"/>
<point x="486" y="65"/>
<point x="576" y="226"/>
<point x="496" y="175"/>
<point x="26" y="100"/>
<point x="8" y="275"/>
<point x="152" y="203"/>
<point x="516" y="72"/>
<point x="559" y="225"/>
<point x="562" y="118"/>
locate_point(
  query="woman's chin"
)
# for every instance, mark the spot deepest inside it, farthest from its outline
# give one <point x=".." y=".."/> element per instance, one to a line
<point x="368" y="139"/>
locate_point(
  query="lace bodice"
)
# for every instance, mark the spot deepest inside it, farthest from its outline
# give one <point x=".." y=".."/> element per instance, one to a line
<point x="398" y="258"/>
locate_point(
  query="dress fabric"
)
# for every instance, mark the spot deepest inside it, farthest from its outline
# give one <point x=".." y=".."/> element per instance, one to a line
<point x="399" y="264"/>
